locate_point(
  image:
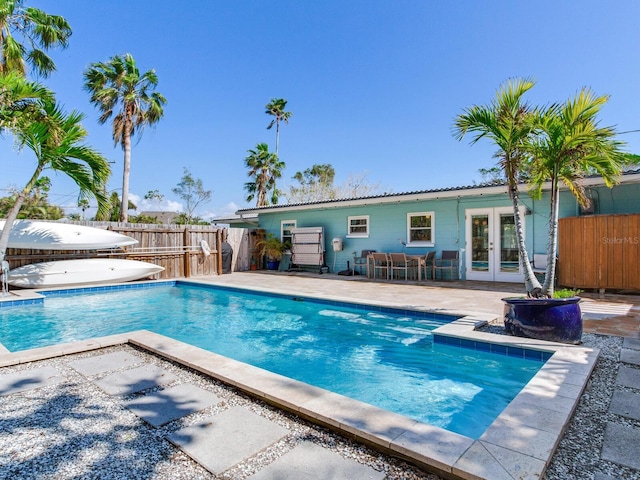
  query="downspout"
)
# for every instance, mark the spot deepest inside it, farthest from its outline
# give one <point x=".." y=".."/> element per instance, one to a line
<point x="461" y="257"/>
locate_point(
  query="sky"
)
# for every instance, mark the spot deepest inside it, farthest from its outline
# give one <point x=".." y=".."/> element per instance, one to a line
<point x="373" y="86"/>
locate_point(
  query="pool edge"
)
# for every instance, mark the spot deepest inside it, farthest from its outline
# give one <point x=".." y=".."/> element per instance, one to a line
<point x="521" y="441"/>
<point x="501" y="452"/>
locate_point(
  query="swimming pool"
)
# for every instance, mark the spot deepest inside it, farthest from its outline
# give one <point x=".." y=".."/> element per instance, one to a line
<point x="384" y="357"/>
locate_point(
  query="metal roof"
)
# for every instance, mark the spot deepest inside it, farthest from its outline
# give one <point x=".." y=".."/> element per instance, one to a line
<point x="629" y="176"/>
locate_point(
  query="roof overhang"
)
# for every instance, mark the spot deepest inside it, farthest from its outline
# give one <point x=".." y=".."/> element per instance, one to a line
<point x="381" y="200"/>
<point x="479" y="191"/>
<point x="245" y="219"/>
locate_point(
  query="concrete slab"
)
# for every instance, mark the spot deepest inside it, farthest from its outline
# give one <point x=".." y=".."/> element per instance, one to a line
<point x="631" y="343"/>
<point x="163" y="406"/>
<point x="104" y="363"/>
<point x="227" y="438"/>
<point x="630" y="356"/>
<point x="628" y="377"/>
<point x="546" y="389"/>
<point x="491" y="462"/>
<point x="625" y="404"/>
<point x="535" y="416"/>
<point x="602" y="476"/>
<point x="532" y="441"/>
<point x="135" y="380"/>
<point x="558" y="404"/>
<point x="309" y="461"/>
<point x="622" y="445"/>
<point x="431" y="445"/>
<point x="29" y="380"/>
<point x="44" y="353"/>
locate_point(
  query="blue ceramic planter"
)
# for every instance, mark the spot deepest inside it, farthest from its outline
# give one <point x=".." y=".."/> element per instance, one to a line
<point x="273" y="264"/>
<point x="552" y="319"/>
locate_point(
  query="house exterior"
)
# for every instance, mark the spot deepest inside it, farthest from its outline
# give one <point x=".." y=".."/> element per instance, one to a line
<point x="476" y="221"/>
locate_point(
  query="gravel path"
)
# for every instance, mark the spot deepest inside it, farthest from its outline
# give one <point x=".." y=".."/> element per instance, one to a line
<point x="74" y="430"/>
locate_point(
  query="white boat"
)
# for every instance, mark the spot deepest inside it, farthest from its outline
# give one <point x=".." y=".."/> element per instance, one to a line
<point x="88" y="271"/>
<point x="37" y="235"/>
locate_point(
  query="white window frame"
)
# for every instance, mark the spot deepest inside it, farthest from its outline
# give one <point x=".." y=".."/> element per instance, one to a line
<point x="351" y="234"/>
<point x="288" y="223"/>
<point x="425" y="243"/>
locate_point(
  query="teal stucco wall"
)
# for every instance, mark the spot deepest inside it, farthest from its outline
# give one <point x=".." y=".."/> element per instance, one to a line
<point x="388" y="222"/>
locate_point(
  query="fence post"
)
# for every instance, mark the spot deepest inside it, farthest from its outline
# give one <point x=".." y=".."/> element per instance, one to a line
<point x="219" y="250"/>
<point x="187" y="254"/>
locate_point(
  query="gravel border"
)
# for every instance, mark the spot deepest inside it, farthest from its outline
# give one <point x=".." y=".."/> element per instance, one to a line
<point x="579" y="453"/>
<point x="74" y="430"/>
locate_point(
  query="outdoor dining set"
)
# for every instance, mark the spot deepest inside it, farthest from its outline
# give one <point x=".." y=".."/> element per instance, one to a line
<point x="402" y="266"/>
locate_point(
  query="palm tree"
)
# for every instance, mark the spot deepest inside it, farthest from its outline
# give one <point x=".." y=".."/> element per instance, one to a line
<point x="276" y="108"/>
<point x="510" y="125"/>
<point x="112" y="212"/>
<point x="19" y="100"/>
<point x="118" y="85"/>
<point x="571" y="146"/>
<point x="25" y="34"/>
<point x="55" y="139"/>
<point x="265" y="167"/>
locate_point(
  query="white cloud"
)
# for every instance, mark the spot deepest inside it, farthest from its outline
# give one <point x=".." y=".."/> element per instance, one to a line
<point x="154" y="205"/>
<point x="219" y="211"/>
<point x="229" y="209"/>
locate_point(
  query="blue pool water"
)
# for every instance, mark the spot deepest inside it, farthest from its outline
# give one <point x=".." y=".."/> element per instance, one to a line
<point x="380" y="356"/>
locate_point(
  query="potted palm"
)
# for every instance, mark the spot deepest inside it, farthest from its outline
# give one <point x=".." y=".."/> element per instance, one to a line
<point x="546" y="148"/>
<point x="272" y="248"/>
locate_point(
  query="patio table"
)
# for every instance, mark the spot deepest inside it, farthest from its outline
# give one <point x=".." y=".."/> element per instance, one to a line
<point x="415" y="261"/>
<point x="412" y="260"/>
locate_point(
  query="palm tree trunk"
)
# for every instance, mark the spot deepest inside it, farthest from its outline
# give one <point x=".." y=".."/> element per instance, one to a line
<point x="532" y="284"/>
<point x="124" y="209"/>
<point x="262" y="190"/>
<point x="552" y="243"/>
<point x="12" y="215"/>
<point x="277" y="135"/>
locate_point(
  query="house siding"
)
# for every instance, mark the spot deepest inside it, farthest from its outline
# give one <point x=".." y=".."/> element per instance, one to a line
<point x="388" y="221"/>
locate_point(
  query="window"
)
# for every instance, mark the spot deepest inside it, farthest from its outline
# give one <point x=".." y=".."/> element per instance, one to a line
<point x="358" y="226"/>
<point x="285" y="231"/>
<point x="420" y="229"/>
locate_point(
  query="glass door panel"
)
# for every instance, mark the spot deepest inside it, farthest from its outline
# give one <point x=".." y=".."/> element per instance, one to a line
<point x="509" y="262"/>
<point x="480" y="243"/>
<point x="491" y="245"/>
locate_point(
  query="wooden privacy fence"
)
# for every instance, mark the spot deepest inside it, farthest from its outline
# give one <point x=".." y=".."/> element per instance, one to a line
<point x="600" y="252"/>
<point x="177" y="248"/>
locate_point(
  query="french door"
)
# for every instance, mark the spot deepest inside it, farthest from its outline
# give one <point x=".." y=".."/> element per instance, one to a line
<point x="491" y="245"/>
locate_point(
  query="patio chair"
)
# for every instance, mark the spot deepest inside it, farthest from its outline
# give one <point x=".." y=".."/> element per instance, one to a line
<point x="380" y="263"/>
<point x="398" y="263"/>
<point x="361" y="262"/>
<point x="426" y="264"/>
<point x="448" y="262"/>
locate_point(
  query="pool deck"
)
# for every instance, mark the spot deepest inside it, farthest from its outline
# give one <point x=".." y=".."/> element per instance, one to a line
<point x="520" y="442"/>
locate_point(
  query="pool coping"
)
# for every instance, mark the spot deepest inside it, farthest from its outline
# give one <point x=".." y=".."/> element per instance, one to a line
<point x="518" y="444"/>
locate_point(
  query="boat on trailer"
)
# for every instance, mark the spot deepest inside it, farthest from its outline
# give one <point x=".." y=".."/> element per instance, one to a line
<point x="37" y="235"/>
<point x="88" y="271"/>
